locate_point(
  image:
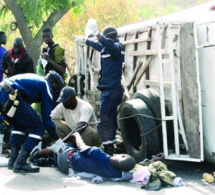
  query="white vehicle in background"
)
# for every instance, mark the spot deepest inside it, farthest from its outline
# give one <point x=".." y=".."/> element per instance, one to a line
<point x="168" y="76"/>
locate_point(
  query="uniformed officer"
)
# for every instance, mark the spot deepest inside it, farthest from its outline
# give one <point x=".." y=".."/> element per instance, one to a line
<point x="17" y="93"/>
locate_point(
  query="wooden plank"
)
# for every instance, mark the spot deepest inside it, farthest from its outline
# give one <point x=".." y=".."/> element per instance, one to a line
<point x="136" y="40"/>
<point x="190" y="95"/>
<point x="157" y="83"/>
<point x="147" y="52"/>
<point x="144" y="68"/>
<point x="135" y="74"/>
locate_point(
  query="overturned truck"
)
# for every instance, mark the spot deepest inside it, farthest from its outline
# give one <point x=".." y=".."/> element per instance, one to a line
<point x="169" y="103"/>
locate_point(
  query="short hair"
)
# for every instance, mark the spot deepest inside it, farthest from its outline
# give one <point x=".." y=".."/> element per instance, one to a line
<point x="2" y="33"/>
<point x="47" y="30"/>
<point x="18" y="41"/>
<point x="123" y="162"/>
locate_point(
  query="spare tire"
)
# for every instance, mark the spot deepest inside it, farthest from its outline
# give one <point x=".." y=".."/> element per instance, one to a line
<point x="152" y="99"/>
<point x="139" y="130"/>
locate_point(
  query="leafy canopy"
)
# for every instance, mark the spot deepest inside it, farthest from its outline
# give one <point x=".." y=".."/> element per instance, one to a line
<point x="38" y="11"/>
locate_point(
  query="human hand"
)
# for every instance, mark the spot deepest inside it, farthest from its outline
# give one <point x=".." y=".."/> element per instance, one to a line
<point x="11" y="71"/>
<point x="91" y="27"/>
<point x="79" y="40"/>
<point x="59" y="144"/>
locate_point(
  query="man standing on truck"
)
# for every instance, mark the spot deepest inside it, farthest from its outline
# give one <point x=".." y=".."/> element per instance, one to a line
<point x="17" y="93"/>
<point x="112" y="58"/>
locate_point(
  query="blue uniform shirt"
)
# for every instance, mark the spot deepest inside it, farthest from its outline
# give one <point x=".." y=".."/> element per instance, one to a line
<point x="112" y="58"/>
<point x="36" y="89"/>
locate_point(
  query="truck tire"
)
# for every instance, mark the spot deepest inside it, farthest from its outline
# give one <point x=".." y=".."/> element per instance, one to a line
<point x="152" y="99"/>
<point x="134" y="128"/>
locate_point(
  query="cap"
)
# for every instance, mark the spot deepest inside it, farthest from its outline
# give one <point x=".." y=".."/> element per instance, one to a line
<point x="53" y="76"/>
<point x="66" y="93"/>
<point x="110" y="32"/>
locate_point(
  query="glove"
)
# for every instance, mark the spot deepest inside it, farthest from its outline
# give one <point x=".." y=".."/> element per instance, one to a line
<point x="79" y="40"/>
<point x="59" y="144"/>
<point x="92" y="27"/>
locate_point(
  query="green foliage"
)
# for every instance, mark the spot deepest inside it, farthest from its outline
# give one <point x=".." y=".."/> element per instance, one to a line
<point x="37" y="11"/>
<point x="3" y="11"/>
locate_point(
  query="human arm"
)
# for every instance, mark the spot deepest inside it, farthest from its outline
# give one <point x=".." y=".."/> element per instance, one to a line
<point x="46" y="108"/>
<point x="79" y="141"/>
<point x="114" y="47"/>
<point x="80" y="128"/>
<point x="109" y="43"/>
<point x="7" y="64"/>
<point x="58" y="62"/>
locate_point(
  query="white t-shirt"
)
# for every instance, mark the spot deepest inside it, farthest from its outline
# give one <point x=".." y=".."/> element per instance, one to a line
<point x="83" y="112"/>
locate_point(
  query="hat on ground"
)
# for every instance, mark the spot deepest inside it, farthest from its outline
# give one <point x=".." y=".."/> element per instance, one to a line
<point x="65" y="94"/>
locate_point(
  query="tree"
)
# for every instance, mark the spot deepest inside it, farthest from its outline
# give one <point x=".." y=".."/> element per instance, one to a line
<point x="32" y="16"/>
<point x="120" y="13"/>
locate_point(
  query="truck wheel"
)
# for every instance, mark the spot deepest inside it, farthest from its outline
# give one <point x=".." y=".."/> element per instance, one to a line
<point x="134" y="128"/>
<point x="152" y="99"/>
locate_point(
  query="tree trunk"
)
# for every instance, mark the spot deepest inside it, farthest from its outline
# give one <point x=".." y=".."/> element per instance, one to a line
<point x="32" y="44"/>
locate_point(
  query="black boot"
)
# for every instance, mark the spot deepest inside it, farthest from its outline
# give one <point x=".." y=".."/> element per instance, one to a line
<point x="109" y="149"/>
<point x="13" y="156"/>
<point x="20" y="165"/>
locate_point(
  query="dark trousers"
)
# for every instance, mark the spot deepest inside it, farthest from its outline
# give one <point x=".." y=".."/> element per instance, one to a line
<point x="27" y="126"/>
<point x="107" y="126"/>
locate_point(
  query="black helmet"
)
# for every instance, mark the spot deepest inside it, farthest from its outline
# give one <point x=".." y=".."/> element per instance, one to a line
<point x="110" y="32"/>
<point x="53" y="76"/>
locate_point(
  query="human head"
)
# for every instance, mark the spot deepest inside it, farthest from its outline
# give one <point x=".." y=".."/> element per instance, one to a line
<point x="68" y="97"/>
<point x="3" y="38"/>
<point x="110" y="32"/>
<point x="47" y="35"/>
<point x="55" y="80"/>
<point x="123" y="162"/>
<point x="18" y="45"/>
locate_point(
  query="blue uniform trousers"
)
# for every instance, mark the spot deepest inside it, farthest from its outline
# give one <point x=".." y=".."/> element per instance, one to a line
<point x="107" y="126"/>
<point x="27" y="126"/>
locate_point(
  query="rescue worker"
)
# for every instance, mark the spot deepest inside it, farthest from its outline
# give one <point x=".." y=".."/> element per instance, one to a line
<point x="17" y="60"/>
<point x="112" y="58"/>
<point x="16" y="95"/>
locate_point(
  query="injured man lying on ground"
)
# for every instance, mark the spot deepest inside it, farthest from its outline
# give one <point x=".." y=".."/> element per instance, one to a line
<point x="73" y="156"/>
